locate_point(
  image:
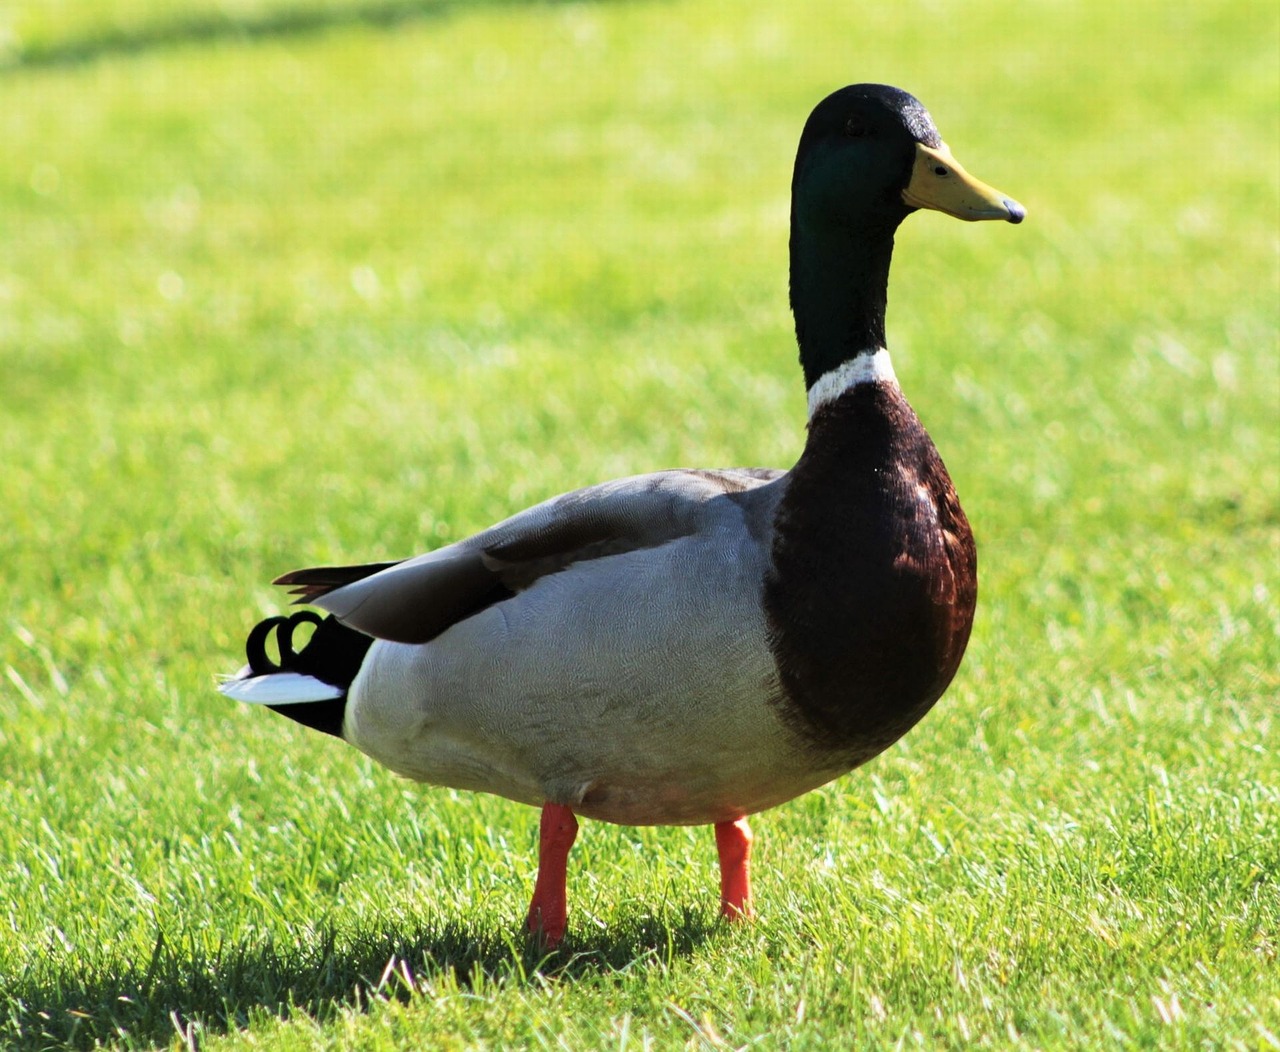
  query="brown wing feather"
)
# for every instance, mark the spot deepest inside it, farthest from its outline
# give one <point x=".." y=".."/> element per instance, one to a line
<point x="316" y="581"/>
<point x="415" y="600"/>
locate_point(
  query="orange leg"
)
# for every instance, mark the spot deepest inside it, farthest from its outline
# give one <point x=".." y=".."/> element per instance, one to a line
<point x="733" y="842"/>
<point x="549" y="910"/>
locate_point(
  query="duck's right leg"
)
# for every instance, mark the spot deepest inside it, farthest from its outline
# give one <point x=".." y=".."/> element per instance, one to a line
<point x="549" y="910"/>
<point x="733" y="843"/>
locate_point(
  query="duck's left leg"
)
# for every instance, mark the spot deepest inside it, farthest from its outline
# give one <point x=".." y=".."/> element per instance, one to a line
<point x="549" y="910"/>
<point x="733" y="842"/>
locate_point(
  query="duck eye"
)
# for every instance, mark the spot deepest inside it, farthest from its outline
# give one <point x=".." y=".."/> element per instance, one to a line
<point x="855" y="128"/>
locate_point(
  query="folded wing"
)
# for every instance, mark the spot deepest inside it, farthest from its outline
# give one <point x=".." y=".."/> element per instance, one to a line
<point x="415" y="600"/>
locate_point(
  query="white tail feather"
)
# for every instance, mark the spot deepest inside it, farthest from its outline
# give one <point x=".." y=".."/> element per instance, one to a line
<point x="280" y="688"/>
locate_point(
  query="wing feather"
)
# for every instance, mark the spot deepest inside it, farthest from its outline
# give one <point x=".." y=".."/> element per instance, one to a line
<point x="415" y="600"/>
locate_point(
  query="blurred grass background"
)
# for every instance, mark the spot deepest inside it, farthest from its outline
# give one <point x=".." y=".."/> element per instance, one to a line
<point x="64" y="32"/>
<point x="287" y="283"/>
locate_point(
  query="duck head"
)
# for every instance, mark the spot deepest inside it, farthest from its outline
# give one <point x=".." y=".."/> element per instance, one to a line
<point x="869" y="156"/>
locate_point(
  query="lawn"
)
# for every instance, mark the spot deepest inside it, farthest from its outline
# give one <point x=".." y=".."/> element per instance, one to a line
<point x="288" y="283"/>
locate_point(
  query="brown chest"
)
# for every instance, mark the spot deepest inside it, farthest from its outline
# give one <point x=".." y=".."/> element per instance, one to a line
<point x="873" y="584"/>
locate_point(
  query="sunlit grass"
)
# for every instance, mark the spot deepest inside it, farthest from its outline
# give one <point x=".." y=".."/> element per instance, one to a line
<point x="351" y="294"/>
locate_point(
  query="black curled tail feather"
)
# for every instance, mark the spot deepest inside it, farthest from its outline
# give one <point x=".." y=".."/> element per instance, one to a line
<point x="333" y="654"/>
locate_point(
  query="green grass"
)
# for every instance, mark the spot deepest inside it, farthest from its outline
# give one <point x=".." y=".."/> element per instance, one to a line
<point x="278" y="299"/>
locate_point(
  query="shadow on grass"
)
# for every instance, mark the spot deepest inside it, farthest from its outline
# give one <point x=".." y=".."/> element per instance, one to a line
<point x="185" y="990"/>
<point x="213" y="26"/>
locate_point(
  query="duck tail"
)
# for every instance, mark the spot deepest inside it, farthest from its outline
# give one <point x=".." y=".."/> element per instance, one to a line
<point x="308" y="685"/>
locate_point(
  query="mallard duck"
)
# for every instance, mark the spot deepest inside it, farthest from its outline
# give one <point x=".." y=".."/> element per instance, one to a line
<point x="686" y="647"/>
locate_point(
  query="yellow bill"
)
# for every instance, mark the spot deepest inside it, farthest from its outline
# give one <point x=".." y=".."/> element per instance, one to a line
<point x="938" y="181"/>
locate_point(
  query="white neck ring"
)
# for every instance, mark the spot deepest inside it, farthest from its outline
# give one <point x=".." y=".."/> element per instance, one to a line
<point x="869" y="367"/>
